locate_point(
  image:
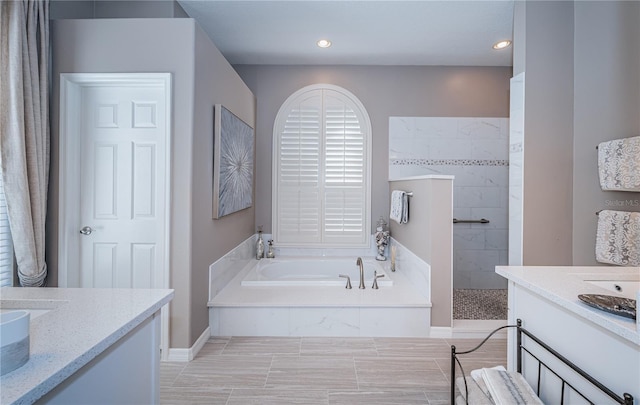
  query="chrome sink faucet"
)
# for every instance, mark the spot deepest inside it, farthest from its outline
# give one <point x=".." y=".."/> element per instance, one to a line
<point x="359" y="263"/>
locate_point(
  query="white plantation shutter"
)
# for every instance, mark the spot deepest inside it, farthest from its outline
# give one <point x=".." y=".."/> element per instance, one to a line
<point x="6" y="244"/>
<point x="321" y="167"/>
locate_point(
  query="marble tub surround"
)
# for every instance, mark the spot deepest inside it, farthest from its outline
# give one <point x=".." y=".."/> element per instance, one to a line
<point x="399" y="310"/>
<point x="416" y="270"/>
<point x="476" y="152"/>
<point x="561" y="285"/>
<point x="80" y="325"/>
<point x="228" y="266"/>
<point x="223" y="270"/>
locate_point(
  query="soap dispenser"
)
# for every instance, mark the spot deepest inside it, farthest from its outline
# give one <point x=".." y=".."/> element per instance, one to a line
<point x="270" y="253"/>
<point x="259" y="245"/>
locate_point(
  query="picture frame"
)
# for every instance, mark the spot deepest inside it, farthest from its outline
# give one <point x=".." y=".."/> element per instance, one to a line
<point x="233" y="157"/>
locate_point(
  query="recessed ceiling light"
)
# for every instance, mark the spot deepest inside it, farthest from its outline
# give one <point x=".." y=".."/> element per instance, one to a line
<point x="502" y="44"/>
<point x="323" y="43"/>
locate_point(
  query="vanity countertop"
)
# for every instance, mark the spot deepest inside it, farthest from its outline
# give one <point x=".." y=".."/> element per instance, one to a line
<point x="562" y="285"/>
<point x="69" y="328"/>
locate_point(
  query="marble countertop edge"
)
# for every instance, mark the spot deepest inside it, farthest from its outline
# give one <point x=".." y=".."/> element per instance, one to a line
<point x="560" y="288"/>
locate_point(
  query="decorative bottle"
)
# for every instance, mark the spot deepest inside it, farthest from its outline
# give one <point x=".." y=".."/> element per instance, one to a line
<point x="259" y="245"/>
<point x="270" y="253"/>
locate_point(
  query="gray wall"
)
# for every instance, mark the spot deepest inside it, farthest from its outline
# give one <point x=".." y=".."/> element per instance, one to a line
<point x="582" y="87"/>
<point x="385" y="91"/>
<point x="215" y="83"/>
<point x="545" y="32"/>
<point x="606" y="107"/>
<point x="429" y="235"/>
<point x="199" y="81"/>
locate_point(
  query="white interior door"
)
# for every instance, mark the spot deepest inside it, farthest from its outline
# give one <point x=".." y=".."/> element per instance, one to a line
<point x="122" y="208"/>
<point x="115" y="182"/>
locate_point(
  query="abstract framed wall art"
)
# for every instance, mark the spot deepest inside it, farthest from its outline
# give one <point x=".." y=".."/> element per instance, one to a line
<point x="233" y="141"/>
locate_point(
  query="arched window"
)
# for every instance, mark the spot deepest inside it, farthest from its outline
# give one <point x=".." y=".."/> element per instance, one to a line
<point x="321" y="169"/>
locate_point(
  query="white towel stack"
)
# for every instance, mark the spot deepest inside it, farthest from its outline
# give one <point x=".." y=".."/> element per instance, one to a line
<point x="508" y="388"/>
<point x="619" y="164"/>
<point x="399" y="207"/>
<point x="495" y="386"/>
<point x="618" y="238"/>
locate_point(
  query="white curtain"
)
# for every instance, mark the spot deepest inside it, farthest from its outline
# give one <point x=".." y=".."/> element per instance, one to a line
<point x="24" y="130"/>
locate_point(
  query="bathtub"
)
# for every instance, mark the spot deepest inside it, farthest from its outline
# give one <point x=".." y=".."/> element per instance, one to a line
<point x="313" y="271"/>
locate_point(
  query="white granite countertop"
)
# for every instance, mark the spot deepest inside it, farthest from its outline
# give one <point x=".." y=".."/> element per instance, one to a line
<point x="562" y="285"/>
<point x="80" y="324"/>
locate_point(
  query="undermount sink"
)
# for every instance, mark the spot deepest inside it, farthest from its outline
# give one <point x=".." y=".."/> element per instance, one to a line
<point x="626" y="288"/>
<point x="35" y="308"/>
<point x="14" y="338"/>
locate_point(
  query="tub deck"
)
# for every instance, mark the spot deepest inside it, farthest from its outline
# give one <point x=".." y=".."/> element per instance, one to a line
<point x="397" y="311"/>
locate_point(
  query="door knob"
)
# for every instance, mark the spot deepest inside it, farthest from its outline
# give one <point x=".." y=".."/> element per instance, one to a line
<point x="86" y="230"/>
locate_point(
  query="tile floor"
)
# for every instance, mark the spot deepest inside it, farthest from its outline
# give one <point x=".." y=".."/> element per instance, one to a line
<point x="308" y="370"/>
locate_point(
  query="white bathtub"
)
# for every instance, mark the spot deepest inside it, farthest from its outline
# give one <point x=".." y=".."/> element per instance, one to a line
<point x="314" y="271"/>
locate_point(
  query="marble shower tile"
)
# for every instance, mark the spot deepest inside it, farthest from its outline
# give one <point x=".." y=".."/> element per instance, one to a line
<point x="465" y="239"/>
<point x="496" y="239"/>
<point x="474" y="261"/>
<point x="474" y="197"/>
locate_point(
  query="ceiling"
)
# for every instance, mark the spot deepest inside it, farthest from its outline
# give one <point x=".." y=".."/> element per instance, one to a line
<point x="391" y="32"/>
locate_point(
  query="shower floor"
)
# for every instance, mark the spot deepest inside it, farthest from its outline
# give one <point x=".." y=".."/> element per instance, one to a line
<point x="479" y="304"/>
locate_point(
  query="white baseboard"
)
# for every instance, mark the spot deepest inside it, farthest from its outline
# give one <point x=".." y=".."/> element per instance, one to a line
<point x="440" y="332"/>
<point x="190" y="353"/>
<point x="478" y="328"/>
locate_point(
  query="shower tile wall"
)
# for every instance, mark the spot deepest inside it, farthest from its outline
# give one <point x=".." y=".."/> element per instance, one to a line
<point x="476" y="152"/>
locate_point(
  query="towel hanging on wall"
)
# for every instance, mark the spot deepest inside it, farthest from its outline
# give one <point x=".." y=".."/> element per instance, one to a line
<point x="618" y="238"/>
<point x="399" y="206"/>
<point x="619" y="164"/>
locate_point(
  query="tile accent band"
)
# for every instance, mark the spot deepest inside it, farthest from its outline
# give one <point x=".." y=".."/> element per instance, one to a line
<point x="449" y="162"/>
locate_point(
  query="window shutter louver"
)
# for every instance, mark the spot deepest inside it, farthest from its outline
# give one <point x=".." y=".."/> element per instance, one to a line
<point x="6" y="244"/>
<point x="321" y="171"/>
<point x="298" y="196"/>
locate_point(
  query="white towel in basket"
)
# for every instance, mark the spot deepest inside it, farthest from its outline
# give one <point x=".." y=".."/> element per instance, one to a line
<point x="619" y="164"/>
<point x="618" y="238"/>
<point x="399" y="207"/>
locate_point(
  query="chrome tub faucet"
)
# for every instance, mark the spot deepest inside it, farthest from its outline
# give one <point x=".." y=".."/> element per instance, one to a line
<point x="359" y="263"/>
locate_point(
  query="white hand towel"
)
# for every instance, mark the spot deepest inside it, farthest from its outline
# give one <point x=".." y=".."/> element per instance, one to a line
<point x="399" y="207"/>
<point x="619" y="164"/>
<point x="618" y="238"/>
<point x="508" y="388"/>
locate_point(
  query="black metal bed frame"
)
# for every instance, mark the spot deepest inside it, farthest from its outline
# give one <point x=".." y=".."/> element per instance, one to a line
<point x="625" y="399"/>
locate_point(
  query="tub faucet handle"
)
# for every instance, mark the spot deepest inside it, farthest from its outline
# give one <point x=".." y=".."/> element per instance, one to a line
<point x="348" y="286"/>
<point x="375" y="280"/>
